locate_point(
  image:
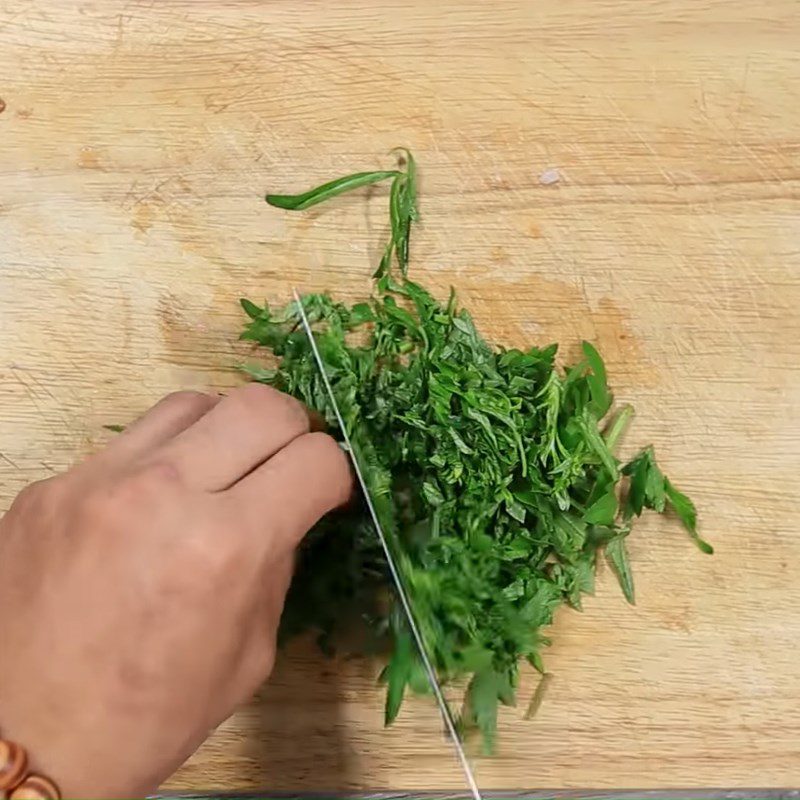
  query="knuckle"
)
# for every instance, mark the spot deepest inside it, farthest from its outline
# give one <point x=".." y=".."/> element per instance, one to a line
<point x="261" y="401"/>
<point x="98" y="509"/>
<point x="202" y="558"/>
<point x="326" y="452"/>
<point x="118" y="502"/>
<point x="155" y="475"/>
<point x="327" y="449"/>
<point x="29" y="495"/>
<point x="45" y="493"/>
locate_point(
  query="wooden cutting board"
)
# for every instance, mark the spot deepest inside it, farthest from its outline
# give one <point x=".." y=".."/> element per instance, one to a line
<point x="623" y="171"/>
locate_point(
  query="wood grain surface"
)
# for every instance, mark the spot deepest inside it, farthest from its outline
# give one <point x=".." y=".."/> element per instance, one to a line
<point x="553" y="794"/>
<point x="619" y="170"/>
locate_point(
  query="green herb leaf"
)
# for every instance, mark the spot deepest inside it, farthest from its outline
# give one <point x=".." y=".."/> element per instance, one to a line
<point x="617" y="554"/>
<point x="250" y="308"/>
<point x="618" y="426"/>
<point x="432" y="493"/>
<point x="397" y="674"/>
<point x="687" y="514"/>
<point x="258" y="373"/>
<point x="300" y="202"/>
<point x="601" y="397"/>
<point x="603" y="510"/>
<point x="538" y="695"/>
<point x="588" y="423"/>
<point x="480" y="705"/>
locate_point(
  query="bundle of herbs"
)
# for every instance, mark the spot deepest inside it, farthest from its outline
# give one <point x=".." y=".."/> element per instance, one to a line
<point x="492" y="470"/>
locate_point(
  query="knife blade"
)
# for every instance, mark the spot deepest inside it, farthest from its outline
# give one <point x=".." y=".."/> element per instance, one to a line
<point x="400" y="588"/>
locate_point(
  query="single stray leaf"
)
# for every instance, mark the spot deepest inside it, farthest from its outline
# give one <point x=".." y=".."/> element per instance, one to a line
<point x="535" y="660"/>
<point x="396" y="676"/>
<point x="299" y="202"/>
<point x="538" y="695"/>
<point x="480" y="705"/>
<point x="617" y="554"/>
<point x="687" y="514"/>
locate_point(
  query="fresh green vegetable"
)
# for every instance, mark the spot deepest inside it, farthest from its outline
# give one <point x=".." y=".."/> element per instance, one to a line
<point x="493" y="473"/>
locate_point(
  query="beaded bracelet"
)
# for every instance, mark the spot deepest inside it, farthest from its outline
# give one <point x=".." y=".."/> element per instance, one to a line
<point x="16" y="783"/>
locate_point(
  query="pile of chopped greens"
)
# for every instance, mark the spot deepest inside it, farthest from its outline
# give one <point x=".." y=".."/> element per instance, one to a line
<point x="492" y="470"/>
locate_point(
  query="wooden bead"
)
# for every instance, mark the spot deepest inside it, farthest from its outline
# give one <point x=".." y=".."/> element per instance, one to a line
<point x="13" y="763"/>
<point x="35" y="787"/>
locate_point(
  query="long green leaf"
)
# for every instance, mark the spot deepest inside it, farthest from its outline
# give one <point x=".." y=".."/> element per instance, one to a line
<point x="538" y="695"/>
<point x="299" y="202"/>
<point x="618" y="426"/>
<point x="588" y="423"/>
<point x="617" y="554"/>
<point x="687" y="513"/>
<point x="396" y="675"/>
<point x="601" y="397"/>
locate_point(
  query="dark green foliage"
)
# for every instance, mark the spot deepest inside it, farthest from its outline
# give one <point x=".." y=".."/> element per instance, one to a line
<point x="492" y="471"/>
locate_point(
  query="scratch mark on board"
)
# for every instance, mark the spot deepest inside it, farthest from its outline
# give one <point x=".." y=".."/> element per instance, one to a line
<point x="703" y="106"/>
<point x="9" y="461"/>
<point x="35" y="398"/>
<point x="742" y="94"/>
<point x="634" y="131"/>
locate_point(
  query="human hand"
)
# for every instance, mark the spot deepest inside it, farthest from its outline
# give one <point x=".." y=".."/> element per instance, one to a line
<point x="140" y="592"/>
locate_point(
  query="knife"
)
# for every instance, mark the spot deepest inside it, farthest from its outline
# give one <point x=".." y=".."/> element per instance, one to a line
<point x="402" y="594"/>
